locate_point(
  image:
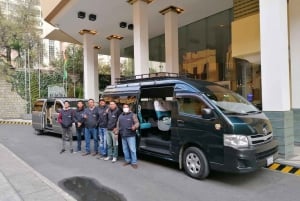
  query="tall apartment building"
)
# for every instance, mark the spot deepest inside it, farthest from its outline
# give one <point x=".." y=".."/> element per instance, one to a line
<point x="50" y="49"/>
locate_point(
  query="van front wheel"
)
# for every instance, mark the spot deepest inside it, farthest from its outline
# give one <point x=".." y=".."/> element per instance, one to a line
<point x="195" y="163"/>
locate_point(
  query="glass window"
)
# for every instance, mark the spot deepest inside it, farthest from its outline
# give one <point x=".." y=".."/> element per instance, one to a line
<point x="190" y="105"/>
<point x="38" y="106"/>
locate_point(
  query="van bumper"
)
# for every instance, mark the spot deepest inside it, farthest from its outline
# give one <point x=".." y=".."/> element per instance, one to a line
<point x="248" y="159"/>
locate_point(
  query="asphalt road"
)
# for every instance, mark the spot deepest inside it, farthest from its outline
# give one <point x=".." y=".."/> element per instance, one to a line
<point x="154" y="180"/>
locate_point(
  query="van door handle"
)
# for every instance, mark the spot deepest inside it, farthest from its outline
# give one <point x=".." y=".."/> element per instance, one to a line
<point x="180" y="121"/>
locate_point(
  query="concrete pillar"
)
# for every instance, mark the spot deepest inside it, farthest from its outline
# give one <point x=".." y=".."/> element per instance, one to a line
<point x="115" y="57"/>
<point x="140" y="36"/>
<point x="276" y="98"/>
<point x="294" y="25"/>
<point x="171" y="38"/>
<point x="90" y="68"/>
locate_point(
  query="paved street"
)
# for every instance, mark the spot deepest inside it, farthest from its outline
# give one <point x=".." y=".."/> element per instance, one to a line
<point x="152" y="180"/>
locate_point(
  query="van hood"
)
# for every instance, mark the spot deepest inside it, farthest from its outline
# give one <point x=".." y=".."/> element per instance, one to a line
<point x="251" y="124"/>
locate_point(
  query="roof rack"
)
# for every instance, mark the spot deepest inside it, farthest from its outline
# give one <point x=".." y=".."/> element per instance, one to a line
<point x="151" y="76"/>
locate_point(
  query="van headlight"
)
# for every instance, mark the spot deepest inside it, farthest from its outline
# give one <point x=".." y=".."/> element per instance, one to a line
<point x="236" y="141"/>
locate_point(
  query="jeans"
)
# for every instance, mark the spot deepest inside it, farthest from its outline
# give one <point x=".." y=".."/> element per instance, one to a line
<point x="89" y="132"/>
<point x="102" y="141"/>
<point x="79" y="133"/>
<point x="112" y="144"/>
<point x="129" y="149"/>
<point x="67" y="134"/>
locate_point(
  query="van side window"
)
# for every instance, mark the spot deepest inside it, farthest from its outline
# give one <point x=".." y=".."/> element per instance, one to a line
<point x="38" y="106"/>
<point x="190" y="105"/>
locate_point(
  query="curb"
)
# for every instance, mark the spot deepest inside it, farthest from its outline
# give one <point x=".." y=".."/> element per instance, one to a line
<point x="285" y="168"/>
<point x="10" y="122"/>
<point x="66" y="196"/>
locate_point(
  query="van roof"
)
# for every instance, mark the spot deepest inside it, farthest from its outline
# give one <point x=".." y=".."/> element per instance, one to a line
<point x="135" y="84"/>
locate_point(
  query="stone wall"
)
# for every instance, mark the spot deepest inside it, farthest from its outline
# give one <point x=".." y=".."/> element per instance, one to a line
<point x="12" y="105"/>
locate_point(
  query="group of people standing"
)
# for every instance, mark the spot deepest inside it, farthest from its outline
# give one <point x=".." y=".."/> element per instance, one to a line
<point x="105" y="124"/>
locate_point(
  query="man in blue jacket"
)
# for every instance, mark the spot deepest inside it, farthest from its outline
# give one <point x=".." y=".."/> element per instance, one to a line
<point x="66" y="119"/>
<point x="91" y="116"/>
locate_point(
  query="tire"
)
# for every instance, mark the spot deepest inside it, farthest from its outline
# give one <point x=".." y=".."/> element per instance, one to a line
<point x="195" y="163"/>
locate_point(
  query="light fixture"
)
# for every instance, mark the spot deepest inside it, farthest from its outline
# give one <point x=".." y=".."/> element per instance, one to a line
<point x="171" y="8"/>
<point x="114" y="37"/>
<point x="87" y="31"/>
<point x="130" y="26"/>
<point x="81" y="15"/>
<point x="123" y="24"/>
<point x="92" y="17"/>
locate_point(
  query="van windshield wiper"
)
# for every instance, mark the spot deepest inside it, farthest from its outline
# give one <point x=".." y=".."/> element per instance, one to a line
<point x="234" y="113"/>
<point x="254" y="112"/>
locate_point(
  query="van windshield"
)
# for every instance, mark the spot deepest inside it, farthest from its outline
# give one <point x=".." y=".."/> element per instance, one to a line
<point x="228" y="101"/>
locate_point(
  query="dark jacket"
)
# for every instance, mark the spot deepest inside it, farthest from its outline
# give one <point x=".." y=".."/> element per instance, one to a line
<point x="102" y="116"/>
<point x="78" y="117"/>
<point x="92" y="117"/>
<point x="66" y="118"/>
<point x="125" y="123"/>
<point x="112" y="118"/>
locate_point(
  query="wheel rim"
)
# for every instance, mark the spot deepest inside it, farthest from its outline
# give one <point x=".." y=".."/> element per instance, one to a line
<point x="193" y="163"/>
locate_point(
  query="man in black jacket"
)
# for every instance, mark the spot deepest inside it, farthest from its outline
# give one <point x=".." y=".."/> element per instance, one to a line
<point x="126" y="127"/>
<point x="91" y="117"/>
<point x="112" y="136"/>
<point x="79" y="123"/>
<point x="102" y="128"/>
<point x="66" y="119"/>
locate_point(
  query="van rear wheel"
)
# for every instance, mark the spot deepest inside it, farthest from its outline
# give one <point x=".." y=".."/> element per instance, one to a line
<point x="195" y="163"/>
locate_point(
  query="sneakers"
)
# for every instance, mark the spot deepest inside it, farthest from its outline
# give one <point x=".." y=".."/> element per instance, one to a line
<point x="126" y="163"/>
<point x="62" y="151"/>
<point x="114" y="160"/>
<point x="94" y="154"/>
<point x="101" y="157"/>
<point x="86" y="153"/>
<point x="107" y="158"/>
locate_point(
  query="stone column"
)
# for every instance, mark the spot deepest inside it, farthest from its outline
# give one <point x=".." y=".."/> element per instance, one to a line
<point x="294" y="24"/>
<point x="171" y="38"/>
<point x="275" y="73"/>
<point x="115" y="57"/>
<point x="140" y="36"/>
<point x="90" y="67"/>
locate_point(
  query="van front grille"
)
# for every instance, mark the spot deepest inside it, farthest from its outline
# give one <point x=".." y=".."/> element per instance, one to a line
<point x="260" y="138"/>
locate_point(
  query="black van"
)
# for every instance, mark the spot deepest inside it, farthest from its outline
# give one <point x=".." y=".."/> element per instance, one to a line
<point x="201" y="125"/>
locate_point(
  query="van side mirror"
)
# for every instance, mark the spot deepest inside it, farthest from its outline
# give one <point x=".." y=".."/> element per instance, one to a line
<point x="207" y="113"/>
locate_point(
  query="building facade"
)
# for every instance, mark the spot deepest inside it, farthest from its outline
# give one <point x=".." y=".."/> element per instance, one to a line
<point x="250" y="46"/>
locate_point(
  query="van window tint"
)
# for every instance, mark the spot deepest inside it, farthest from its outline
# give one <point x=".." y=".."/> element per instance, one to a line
<point x="228" y="101"/>
<point x="38" y="106"/>
<point x="190" y="105"/>
<point x="120" y="100"/>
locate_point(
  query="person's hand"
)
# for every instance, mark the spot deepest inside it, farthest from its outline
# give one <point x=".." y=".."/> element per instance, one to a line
<point x="79" y="124"/>
<point x="133" y="128"/>
<point x="85" y="116"/>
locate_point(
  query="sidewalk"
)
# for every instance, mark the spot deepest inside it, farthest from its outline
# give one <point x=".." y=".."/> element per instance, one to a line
<point x="20" y="182"/>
